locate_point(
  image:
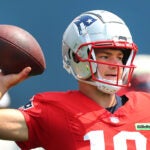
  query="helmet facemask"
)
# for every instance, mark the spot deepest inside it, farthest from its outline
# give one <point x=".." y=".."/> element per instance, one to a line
<point x="86" y="55"/>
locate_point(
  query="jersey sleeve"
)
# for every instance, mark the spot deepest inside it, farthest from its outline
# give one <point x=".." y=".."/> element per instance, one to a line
<point x="35" y="116"/>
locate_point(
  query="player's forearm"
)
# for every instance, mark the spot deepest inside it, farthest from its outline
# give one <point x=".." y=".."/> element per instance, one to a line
<point x="12" y="125"/>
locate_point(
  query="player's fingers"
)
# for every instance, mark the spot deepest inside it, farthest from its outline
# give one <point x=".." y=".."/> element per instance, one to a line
<point x="14" y="79"/>
<point x="7" y="81"/>
<point x="22" y="75"/>
<point x="25" y="72"/>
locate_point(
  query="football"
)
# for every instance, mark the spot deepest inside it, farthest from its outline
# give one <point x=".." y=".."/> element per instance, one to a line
<point x="19" y="49"/>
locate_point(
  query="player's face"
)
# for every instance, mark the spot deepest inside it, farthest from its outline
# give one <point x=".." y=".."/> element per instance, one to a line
<point x="111" y="56"/>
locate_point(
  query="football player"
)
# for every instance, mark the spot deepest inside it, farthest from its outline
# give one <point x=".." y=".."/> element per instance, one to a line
<point x="98" y="50"/>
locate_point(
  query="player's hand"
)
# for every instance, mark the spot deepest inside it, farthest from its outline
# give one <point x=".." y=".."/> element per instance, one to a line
<point x="7" y="81"/>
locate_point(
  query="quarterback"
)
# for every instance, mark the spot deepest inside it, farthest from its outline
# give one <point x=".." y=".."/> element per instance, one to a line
<point x="98" y="50"/>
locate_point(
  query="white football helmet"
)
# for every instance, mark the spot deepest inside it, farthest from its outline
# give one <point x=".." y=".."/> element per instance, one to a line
<point x="97" y="29"/>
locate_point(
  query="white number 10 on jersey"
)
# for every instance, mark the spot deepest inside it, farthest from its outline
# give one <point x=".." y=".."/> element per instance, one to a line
<point x="97" y="142"/>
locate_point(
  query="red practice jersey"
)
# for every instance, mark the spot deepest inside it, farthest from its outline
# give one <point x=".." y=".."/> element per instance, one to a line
<point x="72" y="121"/>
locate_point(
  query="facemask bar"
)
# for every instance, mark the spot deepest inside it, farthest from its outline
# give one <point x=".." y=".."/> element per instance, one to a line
<point x="127" y="68"/>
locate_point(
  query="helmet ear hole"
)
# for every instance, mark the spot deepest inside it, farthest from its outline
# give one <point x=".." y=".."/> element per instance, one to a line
<point x="69" y="53"/>
<point x="75" y="58"/>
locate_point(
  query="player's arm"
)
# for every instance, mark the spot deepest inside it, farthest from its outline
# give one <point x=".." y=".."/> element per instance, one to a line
<point x="12" y="122"/>
<point x="13" y="125"/>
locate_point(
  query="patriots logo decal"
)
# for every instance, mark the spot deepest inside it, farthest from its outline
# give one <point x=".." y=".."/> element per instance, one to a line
<point x="84" y="21"/>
